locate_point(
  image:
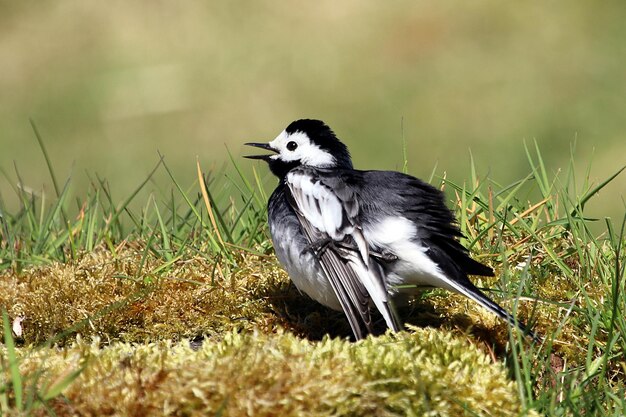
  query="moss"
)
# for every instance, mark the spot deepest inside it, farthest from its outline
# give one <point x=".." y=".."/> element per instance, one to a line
<point x="116" y="297"/>
<point x="425" y="372"/>
<point x="128" y="296"/>
<point x="125" y="297"/>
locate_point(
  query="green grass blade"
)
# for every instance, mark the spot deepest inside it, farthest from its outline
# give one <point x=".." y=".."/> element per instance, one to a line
<point x="405" y="159"/>
<point x="244" y="179"/>
<point x="259" y="187"/>
<point x="46" y="156"/>
<point x="124" y="206"/>
<point x="110" y="209"/>
<point x="48" y="227"/>
<point x="42" y="146"/>
<point x="92" y="214"/>
<point x="616" y="289"/>
<point x="16" y="377"/>
<point x="431" y="177"/>
<point x="597" y="189"/>
<point x="165" y="236"/>
<point x="214" y="243"/>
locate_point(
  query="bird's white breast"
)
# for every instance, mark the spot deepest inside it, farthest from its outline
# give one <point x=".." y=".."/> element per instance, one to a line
<point x="302" y="267"/>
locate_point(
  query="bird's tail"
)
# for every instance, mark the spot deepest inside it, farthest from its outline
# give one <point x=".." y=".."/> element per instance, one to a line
<point x="471" y="291"/>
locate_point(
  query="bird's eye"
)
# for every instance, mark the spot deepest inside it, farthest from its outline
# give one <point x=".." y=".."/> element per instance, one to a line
<point x="292" y="146"/>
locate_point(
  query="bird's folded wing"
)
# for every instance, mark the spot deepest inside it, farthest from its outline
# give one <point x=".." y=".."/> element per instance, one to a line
<point x="352" y="295"/>
<point x="328" y="209"/>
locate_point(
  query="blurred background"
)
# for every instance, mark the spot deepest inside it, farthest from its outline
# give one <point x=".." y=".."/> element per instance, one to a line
<point x="110" y="83"/>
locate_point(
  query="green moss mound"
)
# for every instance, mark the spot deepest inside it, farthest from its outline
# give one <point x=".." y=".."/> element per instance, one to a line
<point x="130" y="296"/>
<point x="424" y="372"/>
<point x="123" y="314"/>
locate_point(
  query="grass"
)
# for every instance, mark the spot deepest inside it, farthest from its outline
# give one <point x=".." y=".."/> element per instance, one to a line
<point x="114" y="291"/>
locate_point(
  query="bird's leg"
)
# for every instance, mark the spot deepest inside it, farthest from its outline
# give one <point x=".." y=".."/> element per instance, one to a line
<point x="384" y="256"/>
<point x="342" y="249"/>
<point x="318" y="247"/>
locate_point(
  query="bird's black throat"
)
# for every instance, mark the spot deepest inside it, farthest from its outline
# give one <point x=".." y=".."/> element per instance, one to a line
<point x="281" y="168"/>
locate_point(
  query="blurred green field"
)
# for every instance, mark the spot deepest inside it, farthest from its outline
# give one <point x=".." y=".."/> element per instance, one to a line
<point x="109" y="84"/>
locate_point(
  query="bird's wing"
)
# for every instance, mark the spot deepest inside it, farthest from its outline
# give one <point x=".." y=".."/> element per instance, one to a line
<point x="437" y="231"/>
<point x="328" y="211"/>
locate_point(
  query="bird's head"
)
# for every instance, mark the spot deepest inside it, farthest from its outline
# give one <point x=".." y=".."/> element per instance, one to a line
<point x="304" y="142"/>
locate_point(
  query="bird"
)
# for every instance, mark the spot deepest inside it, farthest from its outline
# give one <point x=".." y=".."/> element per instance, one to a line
<point x="358" y="240"/>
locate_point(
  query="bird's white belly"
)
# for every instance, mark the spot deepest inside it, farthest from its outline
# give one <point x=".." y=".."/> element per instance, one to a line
<point x="302" y="267"/>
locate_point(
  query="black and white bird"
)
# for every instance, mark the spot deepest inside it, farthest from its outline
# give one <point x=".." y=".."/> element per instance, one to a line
<point x="354" y="239"/>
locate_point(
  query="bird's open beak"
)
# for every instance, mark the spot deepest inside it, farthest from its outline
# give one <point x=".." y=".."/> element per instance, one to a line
<point x="262" y="146"/>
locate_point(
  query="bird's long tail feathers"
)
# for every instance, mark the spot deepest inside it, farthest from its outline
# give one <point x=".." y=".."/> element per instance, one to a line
<point x="471" y="291"/>
<point x="371" y="276"/>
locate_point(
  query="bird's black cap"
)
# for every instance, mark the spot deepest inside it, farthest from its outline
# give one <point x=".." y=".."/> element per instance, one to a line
<point x="323" y="136"/>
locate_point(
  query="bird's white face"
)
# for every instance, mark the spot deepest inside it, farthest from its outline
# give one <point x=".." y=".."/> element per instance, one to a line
<point x="297" y="146"/>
